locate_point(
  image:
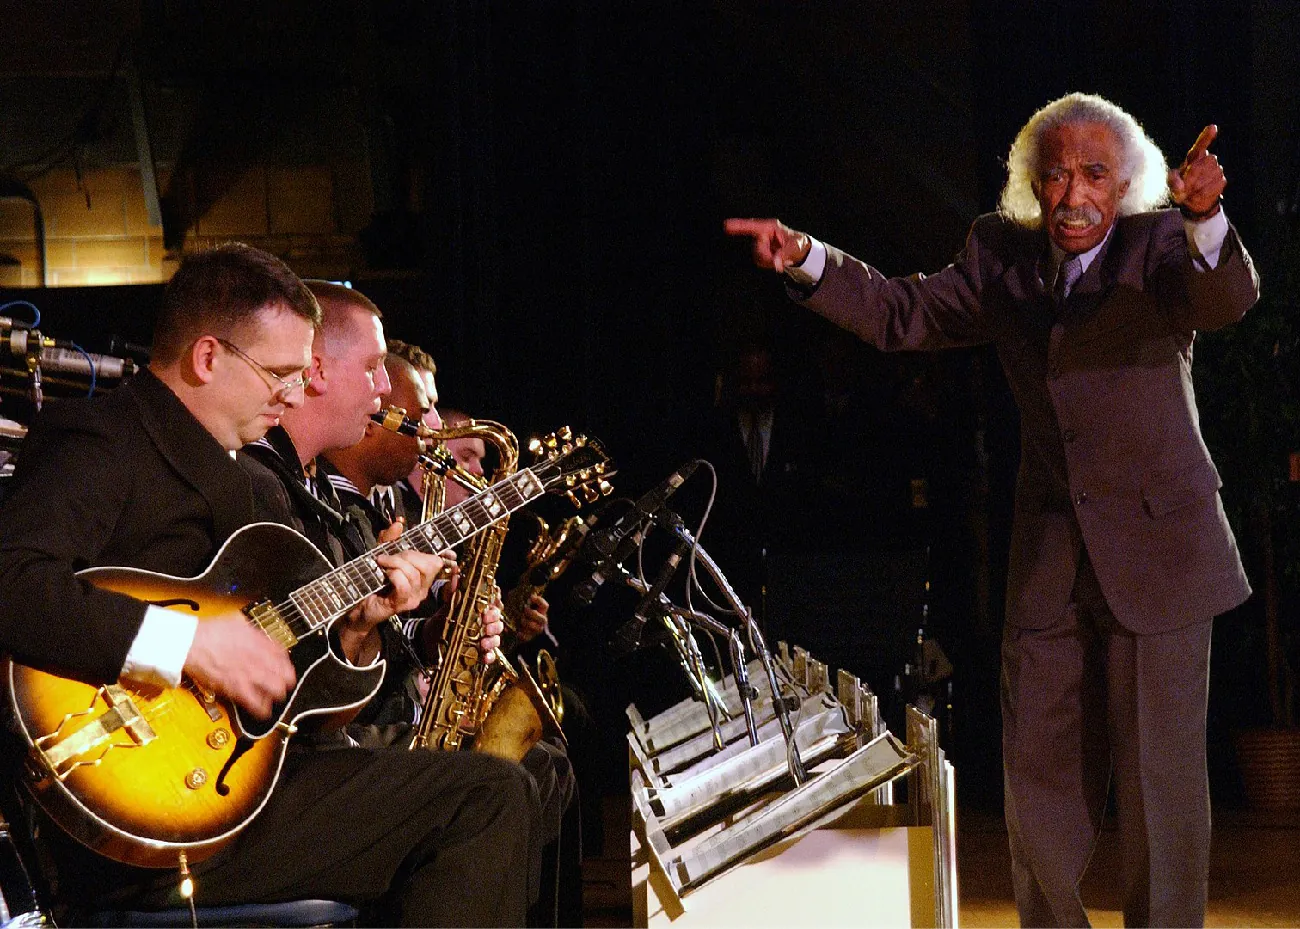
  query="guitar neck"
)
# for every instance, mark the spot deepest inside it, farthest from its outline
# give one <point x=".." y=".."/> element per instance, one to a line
<point x="340" y="590"/>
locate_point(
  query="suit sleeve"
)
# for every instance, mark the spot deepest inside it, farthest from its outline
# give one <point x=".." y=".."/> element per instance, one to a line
<point x="915" y="313"/>
<point x="1201" y="298"/>
<point x="72" y="484"/>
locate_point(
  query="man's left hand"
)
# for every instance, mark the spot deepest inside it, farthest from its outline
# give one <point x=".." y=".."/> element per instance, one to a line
<point x="533" y="622"/>
<point x="1198" y="182"/>
<point x="492" y="629"/>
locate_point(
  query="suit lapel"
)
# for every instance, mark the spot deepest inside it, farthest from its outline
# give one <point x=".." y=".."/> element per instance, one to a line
<point x="195" y="455"/>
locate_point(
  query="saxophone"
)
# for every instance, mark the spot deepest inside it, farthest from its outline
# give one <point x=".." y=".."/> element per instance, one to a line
<point x="495" y="709"/>
<point x="547" y="559"/>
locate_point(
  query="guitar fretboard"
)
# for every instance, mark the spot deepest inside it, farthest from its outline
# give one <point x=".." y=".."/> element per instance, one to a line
<point x="312" y="605"/>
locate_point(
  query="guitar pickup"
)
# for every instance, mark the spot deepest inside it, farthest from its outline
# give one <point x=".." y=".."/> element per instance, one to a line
<point x="53" y="753"/>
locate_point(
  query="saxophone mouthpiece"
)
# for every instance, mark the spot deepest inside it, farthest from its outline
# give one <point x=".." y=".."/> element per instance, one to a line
<point x="394" y="419"/>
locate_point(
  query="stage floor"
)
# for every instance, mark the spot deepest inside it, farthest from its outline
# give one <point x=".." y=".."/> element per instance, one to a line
<point x="1254" y="873"/>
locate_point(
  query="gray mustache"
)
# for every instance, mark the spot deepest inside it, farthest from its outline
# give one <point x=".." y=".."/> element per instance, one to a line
<point x="1087" y="213"/>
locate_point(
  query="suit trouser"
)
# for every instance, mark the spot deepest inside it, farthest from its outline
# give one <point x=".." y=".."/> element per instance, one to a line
<point x="1080" y="700"/>
<point x="438" y="838"/>
<point x="417" y="838"/>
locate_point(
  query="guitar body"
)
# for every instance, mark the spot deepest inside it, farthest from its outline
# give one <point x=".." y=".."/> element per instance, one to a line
<point x="141" y="773"/>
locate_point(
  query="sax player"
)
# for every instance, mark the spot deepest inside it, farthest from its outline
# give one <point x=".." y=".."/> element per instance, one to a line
<point x="363" y="477"/>
<point x="350" y="382"/>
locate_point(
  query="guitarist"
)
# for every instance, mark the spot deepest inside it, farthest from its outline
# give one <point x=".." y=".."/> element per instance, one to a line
<point x="145" y="478"/>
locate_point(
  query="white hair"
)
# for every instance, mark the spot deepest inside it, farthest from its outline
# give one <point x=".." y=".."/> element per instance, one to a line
<point x="1142" y="163"/>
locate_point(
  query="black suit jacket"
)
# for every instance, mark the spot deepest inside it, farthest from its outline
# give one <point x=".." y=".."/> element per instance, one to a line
<point x="130" y="479"/>
<point x="1112" y="457"/>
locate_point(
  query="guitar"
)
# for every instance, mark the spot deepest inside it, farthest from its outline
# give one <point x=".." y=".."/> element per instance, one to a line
<point x="143" y="774"/>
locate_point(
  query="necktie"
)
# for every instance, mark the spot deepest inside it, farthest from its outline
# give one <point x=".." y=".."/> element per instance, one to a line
<point x="1066" y="275"/>
<point x="382" y="498"/>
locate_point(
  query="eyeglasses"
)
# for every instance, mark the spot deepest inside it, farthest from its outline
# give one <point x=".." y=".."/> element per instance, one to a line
<point x="284" y="386"/>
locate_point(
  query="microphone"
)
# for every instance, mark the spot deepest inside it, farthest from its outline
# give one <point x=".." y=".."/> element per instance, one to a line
<point x="56" y="357"/>
<point x="613" y="547"/>
<point x="628" y="636"/>
<point x="64" y="357"/>
<point x="615" y="544"/>
<point x="653" y="501"/>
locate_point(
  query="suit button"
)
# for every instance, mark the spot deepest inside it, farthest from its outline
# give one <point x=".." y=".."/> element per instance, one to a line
<point x="1080" y="498"/>
<point x="1069" y="435"/>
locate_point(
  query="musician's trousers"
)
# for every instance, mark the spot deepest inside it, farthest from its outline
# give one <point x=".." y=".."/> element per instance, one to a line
<point x="417" y="838"/>
<point x="1082" y="699"/>
<point x="452" y="835"/>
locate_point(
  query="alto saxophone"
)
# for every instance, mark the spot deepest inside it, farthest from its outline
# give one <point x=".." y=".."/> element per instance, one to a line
<point x="495" y="709"/>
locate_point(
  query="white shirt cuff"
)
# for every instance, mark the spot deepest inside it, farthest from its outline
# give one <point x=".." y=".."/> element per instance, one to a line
<point x="157" y="655"/>
<point x="810" y="272"/>
<point x="1207" y="237"/>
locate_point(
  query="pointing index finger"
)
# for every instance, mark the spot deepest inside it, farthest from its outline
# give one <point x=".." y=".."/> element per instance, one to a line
<point x="1200" y="146"/>
<point x="743" y="226"/>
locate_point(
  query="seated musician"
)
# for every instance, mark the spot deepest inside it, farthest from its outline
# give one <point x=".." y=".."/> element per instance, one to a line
<point x="145" y="477"/>
<point x="360" y="475"/>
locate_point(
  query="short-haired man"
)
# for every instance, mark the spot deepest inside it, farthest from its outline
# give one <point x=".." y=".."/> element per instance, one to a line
<point x="145" y="478"/>
<point x="1121" y="556"/>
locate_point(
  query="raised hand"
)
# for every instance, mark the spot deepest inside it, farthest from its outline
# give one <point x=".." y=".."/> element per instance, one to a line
<point x="776" y="245"/>
<point x="1197" y="184"/>
<point x="233" y="659"/>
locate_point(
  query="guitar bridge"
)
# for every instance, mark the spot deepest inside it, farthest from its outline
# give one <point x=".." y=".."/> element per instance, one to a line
<point x="59" y="754"/>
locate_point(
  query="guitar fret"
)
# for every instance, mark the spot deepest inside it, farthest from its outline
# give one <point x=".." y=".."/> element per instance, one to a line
<point x="329" y="596"/>
<point x="377" y="575"/>
<point x="299" y="599"/>
<point x="350" y="587"/>
<point x="333" y="597"/>
<point x="319" y="612"/>
<point x="437" y="539"/>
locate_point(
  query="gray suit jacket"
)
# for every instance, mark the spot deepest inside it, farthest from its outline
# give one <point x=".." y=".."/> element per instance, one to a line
<point x="1112" y="457"/>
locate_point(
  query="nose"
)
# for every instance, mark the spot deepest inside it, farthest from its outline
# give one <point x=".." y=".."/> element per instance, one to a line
<point x="1074" y="189"/>
<point x="294" y="397"/>
<point x="383" y="386"/>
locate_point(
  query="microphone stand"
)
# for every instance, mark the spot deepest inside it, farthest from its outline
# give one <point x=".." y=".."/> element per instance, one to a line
<point x="797" y="770"/>
<point x="677" y="620"/>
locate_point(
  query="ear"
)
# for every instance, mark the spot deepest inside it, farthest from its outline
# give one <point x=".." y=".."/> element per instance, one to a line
<point x="1123" y="188"/>
<point x="203" y="359"/>
<point x="318" y="384"/>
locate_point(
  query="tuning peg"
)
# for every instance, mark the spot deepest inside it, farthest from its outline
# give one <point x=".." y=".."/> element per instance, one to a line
<point x="565" y="434"/>
<point x="535" y="445"/>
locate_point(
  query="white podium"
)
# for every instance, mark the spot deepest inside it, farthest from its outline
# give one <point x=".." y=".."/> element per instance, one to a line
<point x="726" y="840"/>
<point x="847" y="873"/>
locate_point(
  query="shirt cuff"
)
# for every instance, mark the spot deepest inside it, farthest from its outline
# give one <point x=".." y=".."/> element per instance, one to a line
<point x="1207" y="237"/>
<point x="810" y="272"/>
<point x="157" y="656"/>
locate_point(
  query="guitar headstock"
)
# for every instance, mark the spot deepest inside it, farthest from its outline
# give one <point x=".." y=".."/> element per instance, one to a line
<point x="578" y="464"/>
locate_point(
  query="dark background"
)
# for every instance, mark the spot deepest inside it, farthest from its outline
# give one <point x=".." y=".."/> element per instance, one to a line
<point x="564" y="259"/>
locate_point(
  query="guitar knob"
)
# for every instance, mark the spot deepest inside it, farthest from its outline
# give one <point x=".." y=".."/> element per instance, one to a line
<point x="218" y="738"/>
<point x="196" y="778"/>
